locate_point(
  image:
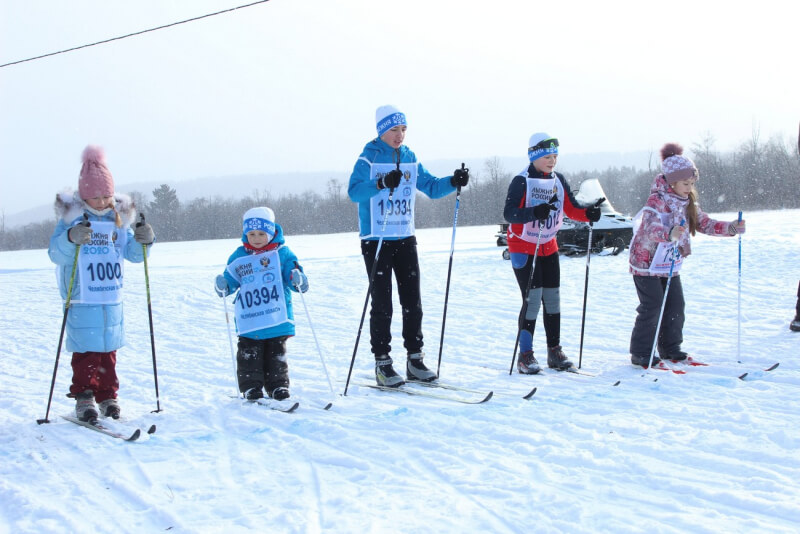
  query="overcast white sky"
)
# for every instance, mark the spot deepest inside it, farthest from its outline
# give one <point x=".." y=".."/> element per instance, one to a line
<point x="292" y="85"/>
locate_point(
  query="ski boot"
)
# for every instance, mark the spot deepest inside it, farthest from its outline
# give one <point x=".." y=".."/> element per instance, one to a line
<point x="110" y="408"/>
<point x="556" y="359"/>
<point x="85" y="409"/>
<point x="527" y="364"/>
<point x="644" y="361"/>
<point x="416" y="370"/>
<point x="280" y="393"/>
<point x="385" y="374"/>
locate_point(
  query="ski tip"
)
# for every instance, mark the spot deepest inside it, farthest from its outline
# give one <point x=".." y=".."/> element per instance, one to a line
<point x="616" y="383"/>
<point x="743" y="376"/>
<point x="152" y="429"/>
<point x="530" y="394"/>
<point x="292" y="408"/>
<point x="772" y="367"/>
<point x="135" y="435"/>
<point x="328" y="406"/>
<point x="487" y="397"/>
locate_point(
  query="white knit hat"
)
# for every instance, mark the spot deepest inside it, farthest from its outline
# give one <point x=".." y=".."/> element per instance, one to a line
<point x="387" y="117"/>
<point x="259" y="219"/>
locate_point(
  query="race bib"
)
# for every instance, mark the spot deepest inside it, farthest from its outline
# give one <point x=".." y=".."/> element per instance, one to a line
<point x="399" y="212"/>
<point x="260" y="302"/>
<point x="100" y="263"/>
<point x="540" y="191"/>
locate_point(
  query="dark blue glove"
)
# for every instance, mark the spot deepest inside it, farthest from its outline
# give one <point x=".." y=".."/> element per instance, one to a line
<point x="221" y="286"/>
<point x="460" y="178"/>
<point x="542" y="211"/>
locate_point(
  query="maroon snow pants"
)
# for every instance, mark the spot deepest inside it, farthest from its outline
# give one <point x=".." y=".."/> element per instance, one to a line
<point x="95" y="371"/>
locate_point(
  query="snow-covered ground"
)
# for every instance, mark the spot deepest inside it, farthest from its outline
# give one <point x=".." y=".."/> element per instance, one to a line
<point x="700" y="452"/>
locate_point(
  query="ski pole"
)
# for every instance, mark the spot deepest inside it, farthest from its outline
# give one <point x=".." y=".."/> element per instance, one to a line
<point x="586" y="283"/>
<point x="67" y="302"/>
<point x="525" y="297"/>
<point x="230" y="343"/>
<point x="150" y="316"/>
<point x="739" y="302"/>
<point x="371" y="278"/>
<point x="314" y="333"/>
<point x="675" y="254"/>
<point x="449" y="270"/>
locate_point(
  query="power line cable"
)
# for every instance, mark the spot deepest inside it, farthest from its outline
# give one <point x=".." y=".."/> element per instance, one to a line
<point x="133" y="34"/>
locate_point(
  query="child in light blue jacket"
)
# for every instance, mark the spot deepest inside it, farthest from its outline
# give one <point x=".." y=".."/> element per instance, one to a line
<point x="94" y="231"/>
<point x="265" y="271"/>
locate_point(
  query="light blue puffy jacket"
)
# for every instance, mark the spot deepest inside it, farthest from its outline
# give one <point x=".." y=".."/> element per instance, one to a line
<point x="91" y="327"/>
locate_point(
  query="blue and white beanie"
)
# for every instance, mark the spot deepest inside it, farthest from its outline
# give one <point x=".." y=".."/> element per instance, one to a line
<point x="387" y="117"/>
<point x="540" y="144"/>
<point x="258" y="219"/>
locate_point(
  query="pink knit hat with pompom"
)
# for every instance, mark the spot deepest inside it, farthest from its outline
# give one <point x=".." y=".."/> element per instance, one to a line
<point x="95" y="178"/>
<point x="675" y="166"/>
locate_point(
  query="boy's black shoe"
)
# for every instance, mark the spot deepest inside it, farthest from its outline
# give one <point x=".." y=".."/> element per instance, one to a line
<point x="644" y="361"/>
<point x="280" y="393"/>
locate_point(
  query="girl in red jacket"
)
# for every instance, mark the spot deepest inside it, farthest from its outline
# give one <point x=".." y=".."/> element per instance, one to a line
<point x="535" y="206"/>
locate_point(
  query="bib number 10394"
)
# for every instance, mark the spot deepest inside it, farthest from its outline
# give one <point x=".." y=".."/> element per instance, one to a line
<point x="257" y="296"/>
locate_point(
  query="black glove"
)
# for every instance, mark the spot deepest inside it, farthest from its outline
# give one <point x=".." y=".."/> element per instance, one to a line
<point x="593" y="213"/>
<point x="460" y="178"/>
<point x="542" y="211"/>
<point x="80" y="234"/>
<point x="391" y="180"/>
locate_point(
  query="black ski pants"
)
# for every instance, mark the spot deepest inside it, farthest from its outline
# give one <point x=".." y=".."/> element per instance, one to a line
<point x="261" y="363"/>
<point x="398" y="256"/>
<point x="650" y="290"/>
<point x="547" y="274"/>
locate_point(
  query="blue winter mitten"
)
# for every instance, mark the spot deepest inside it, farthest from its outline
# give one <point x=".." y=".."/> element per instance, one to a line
<point x="221" y="286"/>
<point x="299" y="280"/>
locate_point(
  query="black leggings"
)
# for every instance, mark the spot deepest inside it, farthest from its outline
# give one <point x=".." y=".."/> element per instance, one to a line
<point x="401" y="257"/>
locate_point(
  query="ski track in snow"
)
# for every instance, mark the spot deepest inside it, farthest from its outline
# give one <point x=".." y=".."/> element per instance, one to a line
<point x="700" y="452"/>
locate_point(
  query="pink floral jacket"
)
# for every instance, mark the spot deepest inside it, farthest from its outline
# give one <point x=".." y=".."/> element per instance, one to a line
<point x="653" y="230"/>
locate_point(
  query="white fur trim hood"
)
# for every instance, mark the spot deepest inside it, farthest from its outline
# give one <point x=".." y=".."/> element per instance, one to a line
<point x="69" y="206"/>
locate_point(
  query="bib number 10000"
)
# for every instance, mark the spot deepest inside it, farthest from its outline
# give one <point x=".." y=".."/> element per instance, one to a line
<point x="104" y="271"/>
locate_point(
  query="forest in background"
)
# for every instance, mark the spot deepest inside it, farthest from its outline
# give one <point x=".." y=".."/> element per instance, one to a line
<point x="756" y="176"/>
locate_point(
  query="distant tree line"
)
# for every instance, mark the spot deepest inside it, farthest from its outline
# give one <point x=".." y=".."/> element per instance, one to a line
<point x="756" y="176"/>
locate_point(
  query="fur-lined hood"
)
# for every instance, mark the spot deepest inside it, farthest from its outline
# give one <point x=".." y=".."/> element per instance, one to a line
<point x="69" y="206"/>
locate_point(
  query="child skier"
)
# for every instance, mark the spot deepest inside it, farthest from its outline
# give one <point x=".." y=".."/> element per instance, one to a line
<point x="94" y="229"/>
<point x="264" y="270"/>
<point x="670" y="215"/>
<point x="537" y="200"/>
<point x="386" y="166"/>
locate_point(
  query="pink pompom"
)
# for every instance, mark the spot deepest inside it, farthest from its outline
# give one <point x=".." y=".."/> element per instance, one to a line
<point x="94" y="153"/>
<point x="671" y="149"/>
